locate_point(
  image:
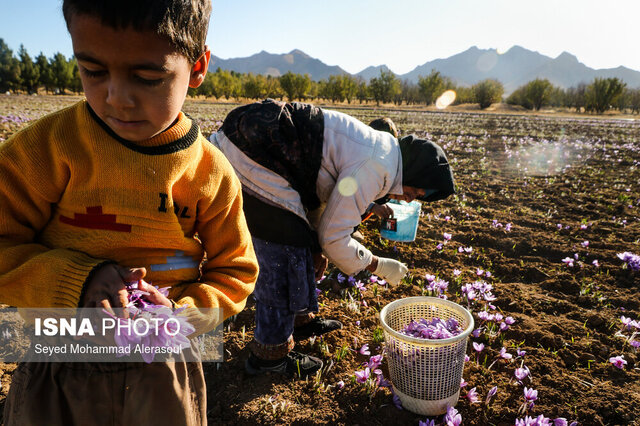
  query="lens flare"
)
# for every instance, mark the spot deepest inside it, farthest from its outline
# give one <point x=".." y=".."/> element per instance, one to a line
<point x="446" y="99"/>
<point x="487" y="61"/>
<point x="347" y="186"/>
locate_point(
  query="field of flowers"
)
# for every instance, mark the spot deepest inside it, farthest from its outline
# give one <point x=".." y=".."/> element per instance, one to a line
<point x="542" y="244"/>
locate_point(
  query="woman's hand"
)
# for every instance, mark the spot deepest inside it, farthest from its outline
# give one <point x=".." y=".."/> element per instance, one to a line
<point x="383" y="211"/>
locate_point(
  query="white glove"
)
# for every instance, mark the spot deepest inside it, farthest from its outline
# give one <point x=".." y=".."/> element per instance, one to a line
<point x="391" y="270"/>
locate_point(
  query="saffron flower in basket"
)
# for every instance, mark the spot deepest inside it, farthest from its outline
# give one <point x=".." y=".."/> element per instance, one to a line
<point x="161" y="327"/>
<point x="435" y="328"/>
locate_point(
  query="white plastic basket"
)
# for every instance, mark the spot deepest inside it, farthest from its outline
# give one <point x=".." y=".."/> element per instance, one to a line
<point x="425" y="373"/>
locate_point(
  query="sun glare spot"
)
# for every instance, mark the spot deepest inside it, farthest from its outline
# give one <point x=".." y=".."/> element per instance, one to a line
<point x="446" y="99"/>
<point x="487" y="61"/>
<point x="347" y="186"/>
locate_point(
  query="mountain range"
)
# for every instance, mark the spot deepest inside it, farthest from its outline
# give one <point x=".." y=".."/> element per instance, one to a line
<point x="513" y="68"/>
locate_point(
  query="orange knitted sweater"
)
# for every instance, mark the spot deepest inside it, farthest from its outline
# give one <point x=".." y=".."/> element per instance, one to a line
<point x="74" y="195"/>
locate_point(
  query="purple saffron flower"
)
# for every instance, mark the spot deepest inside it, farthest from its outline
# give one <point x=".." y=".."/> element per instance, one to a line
<point x="618" y="361"/>
<point x="452" y="418"/>
<point x="429" y="277"/>
<point x="472" y="396"/>
<point x="520" y="352"/>
<point x="492" y="392"/>
<point x="632" y="260"/>
<point x="440" y="246"/>
<point x="397" y="402"/>
<point x="478" y="347"/>
<point x="568" y="261"/>
<point x="374" y="362"/>
<point x="447" y="236"/>
<point x="456" y="272"/>
<point x="341" y="277"/>
<point x="468" y="249"/>
<point x="373" y="279"/>
<point x="595" y="263"/>
<point x="507" y="227"/>
<point x="504" y="354"/>
<point x="340" y="384"/>
<point x="364" y="350"/>
<point x="560" y="421"/>
<point x="530" y="395"/>
<point x="521" y="373"/>
<point x="462" y="382"/>
<point x="427" y="423"/>
<point x="363" y="375"/>
<point x="585" y="244"/>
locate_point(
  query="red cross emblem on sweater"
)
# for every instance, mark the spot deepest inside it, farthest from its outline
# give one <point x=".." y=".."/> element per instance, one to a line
<point x="95" y="219"/>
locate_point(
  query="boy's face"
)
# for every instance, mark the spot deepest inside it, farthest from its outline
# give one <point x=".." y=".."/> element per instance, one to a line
<point x="136" y="82"/>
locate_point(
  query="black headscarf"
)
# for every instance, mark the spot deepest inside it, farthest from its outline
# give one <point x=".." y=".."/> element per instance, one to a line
<point x="425" y="165"/>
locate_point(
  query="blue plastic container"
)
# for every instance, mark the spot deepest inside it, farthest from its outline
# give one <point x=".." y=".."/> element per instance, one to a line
<point x="404" y="225"/>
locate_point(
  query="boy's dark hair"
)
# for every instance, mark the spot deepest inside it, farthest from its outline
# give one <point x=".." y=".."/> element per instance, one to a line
<point x="183" y="22"/>
<point x="385" y="124"/>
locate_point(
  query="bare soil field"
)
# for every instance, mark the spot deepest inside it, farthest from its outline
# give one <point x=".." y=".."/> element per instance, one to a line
<point x="544" y="205"/>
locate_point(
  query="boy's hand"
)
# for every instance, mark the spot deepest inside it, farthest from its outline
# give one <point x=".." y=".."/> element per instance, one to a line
<point x="383" y="211"/>
<point x="320" y="263"/>
<point x="107" y="286"/>
<point x="154" y="296"/>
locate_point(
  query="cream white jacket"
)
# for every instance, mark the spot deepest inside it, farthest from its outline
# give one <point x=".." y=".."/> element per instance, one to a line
<point x="359" y="165"/>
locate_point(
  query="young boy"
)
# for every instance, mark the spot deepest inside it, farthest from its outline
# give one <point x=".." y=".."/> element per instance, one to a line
<point x="114" y="189"/>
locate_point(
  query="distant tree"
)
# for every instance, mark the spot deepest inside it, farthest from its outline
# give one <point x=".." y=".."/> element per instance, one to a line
<point x="226" y="84"/>
<point x="29" y="72"/>
<point x="9" y="69"/>
<point x="62" y="72"/>
<point x="634" y="101"/>
<point x="602" y="93"/>
<point x="254" y="86"/>
<point x="295" y="86"/>
<point x="410" y="92"/>
<point x="349" y="87"/>
<point x="464" y="95"/>
<point x="384" y="87"/>
<point x="431" y="86"/>
<point x="487" y="92"/>
<point x="272" y="88"/>
<point x="576" y="97"/>
<point x="533" y="95"/>
<point x="624" y="100"/>
<point x="45" y="72"/>
<point x="363" y="90"/>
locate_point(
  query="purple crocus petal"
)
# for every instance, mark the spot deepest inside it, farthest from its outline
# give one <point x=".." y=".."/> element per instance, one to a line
<point x="340" y="384"/>
<point x="472" y="396"/>
<point x="452" y="418"/>
<point x="478" y="347"/>
<point x="560" y="421"/>
<point x="504" y="354"/>
<point x="492" y="392"/>
<point x="397" y="402"/>
<point x="363" y="375"/>
<point x="364" y="350"/>
<point x="530" y="394"/>
<point x="618" y="361"/>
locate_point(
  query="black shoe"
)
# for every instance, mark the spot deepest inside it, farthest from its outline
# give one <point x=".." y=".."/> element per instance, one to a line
<point x="316" y="327"/>
<point x="293" y="364"/>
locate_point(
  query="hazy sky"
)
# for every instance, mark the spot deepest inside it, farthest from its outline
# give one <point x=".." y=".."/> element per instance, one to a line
<point x="401" y="34"/>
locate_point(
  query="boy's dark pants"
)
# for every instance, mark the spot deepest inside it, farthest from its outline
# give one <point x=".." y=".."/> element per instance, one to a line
<point x="171" y="393"/>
